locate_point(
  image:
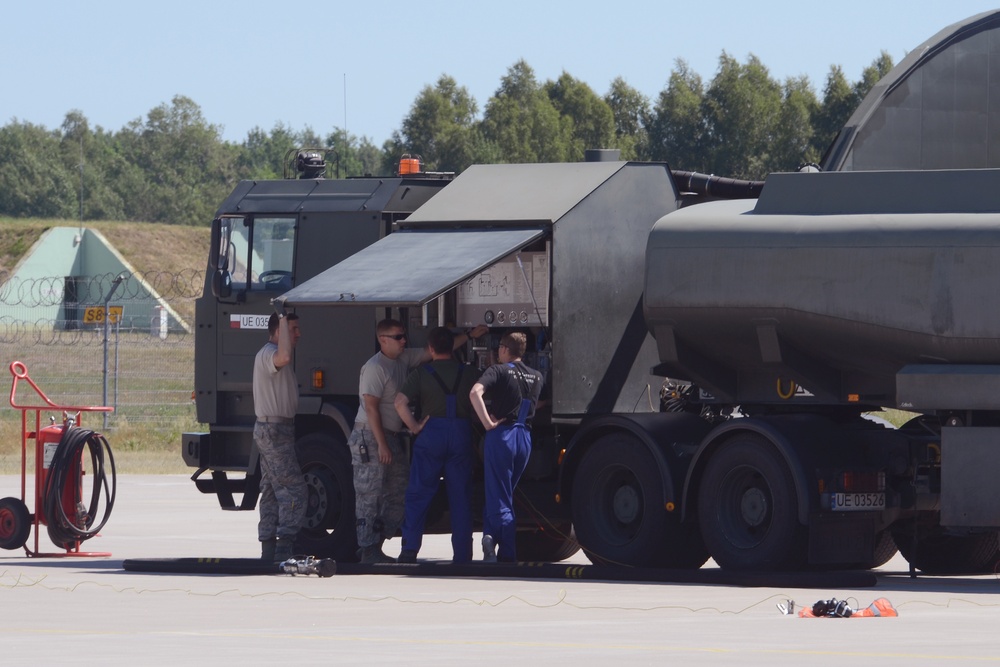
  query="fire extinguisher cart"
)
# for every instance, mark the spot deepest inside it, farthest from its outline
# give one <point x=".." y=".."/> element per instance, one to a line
<point x="59" y="478"/>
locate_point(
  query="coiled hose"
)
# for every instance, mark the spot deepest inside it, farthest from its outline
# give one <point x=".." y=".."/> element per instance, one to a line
<point x="65" y="531"/>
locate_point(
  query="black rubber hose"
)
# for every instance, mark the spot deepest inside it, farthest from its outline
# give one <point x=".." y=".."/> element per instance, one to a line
<point x="66" y="531"/>
<point x="478" y="570"/>
<point x="716" y="186"/>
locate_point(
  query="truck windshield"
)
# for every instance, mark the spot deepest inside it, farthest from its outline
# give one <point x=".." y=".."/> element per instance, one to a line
<point x="261" y="251"/>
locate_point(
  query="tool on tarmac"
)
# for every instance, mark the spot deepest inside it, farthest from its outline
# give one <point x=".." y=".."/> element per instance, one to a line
<point x="323" y="567"/>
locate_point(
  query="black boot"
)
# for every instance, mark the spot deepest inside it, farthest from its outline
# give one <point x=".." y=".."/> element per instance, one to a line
<point x="373" y="554"/>
<point x="284" y="549"/>
<point x="267" y="549"/>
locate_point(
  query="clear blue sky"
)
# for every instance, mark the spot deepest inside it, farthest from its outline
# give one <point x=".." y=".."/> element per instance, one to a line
<point x="251" y="63"/>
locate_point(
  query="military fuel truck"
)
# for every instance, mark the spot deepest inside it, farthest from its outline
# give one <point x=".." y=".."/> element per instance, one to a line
<point x="709" y="355"/>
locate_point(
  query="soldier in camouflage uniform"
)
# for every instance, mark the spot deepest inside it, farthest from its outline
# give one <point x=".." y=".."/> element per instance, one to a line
<point x="381" y="466"/>
<point x="283" y="492"/>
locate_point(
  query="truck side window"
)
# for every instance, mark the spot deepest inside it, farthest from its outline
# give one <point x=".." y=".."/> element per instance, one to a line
<point x="239" y="242"/>
<point x="271" y="262"/>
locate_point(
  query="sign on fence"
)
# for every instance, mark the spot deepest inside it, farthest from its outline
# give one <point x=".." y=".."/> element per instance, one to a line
<point x="95" y="314"/>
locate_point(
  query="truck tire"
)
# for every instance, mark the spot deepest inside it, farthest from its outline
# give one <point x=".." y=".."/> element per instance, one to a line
<point x="329" y="530"/>
<point x="936" y="552"/>
<point x="547" y="545"/>
<point x="618" y="511"/>
<point x="885" y="549"/>
<point x="747" y="508"/>
<point x="15" y="523"/>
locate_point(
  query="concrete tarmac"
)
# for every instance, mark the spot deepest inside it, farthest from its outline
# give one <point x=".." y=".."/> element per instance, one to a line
<point x="90" y="611"/>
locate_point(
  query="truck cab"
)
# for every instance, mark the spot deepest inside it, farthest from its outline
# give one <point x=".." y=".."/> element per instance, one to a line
<point x="268" y="237"/>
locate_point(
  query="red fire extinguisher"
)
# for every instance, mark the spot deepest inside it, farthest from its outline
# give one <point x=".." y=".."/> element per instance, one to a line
<point x="47" y="444"/>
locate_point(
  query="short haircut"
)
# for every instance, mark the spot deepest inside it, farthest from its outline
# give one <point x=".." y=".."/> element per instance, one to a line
<point x="272" y="322"/>
<point x="441" y="340"/>
<point x="515" y="342"/>
<point x="387" y="325"/>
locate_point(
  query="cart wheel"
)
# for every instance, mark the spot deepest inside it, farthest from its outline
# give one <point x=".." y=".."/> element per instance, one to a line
<point x="15" y="522"/>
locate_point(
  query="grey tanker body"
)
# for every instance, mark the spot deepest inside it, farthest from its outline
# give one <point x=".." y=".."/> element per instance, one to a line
<point x="836" y="282"/>
<point x="831" y="295"/>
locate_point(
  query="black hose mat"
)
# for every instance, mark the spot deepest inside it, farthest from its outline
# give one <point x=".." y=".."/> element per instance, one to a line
<point x="834" y="579"/>
<point x="201" y="565"/>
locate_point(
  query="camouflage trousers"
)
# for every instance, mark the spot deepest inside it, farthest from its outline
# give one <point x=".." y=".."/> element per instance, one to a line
<point x="283" y="493"/>
<point x="379" y="490"/>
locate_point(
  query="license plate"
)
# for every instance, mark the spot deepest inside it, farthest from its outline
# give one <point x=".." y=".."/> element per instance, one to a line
<point x="854" y="502"/>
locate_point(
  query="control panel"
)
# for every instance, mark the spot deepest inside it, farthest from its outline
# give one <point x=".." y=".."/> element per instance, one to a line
<point x="514" y="292"/>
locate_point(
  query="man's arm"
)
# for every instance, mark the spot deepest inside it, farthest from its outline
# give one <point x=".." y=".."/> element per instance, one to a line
<point x="375" y="425"/>
<point x="479" y="405"/>
<point x="283" y="356"/>
<point x="462" y="338"/>
<point x="402" y="405"/>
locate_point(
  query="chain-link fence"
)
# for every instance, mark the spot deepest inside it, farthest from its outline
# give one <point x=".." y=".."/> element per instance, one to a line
<point x="121" y="340"/>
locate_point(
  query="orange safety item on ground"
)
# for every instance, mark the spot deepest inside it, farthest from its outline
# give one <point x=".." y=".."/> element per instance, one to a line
<point x="838" y="609"/>
<point x="880" y="607"/>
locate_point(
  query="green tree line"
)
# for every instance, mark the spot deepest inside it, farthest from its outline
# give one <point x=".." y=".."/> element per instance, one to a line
<point x="173" y="166"/>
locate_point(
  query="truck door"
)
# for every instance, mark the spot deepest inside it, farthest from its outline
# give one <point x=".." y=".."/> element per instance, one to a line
<point x="254" y="260"/>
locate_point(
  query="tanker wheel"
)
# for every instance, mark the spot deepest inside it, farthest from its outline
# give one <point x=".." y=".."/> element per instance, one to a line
<point x="936" y="552"/>
<point x="619" y="514"/>
<point x="549" y="544"/>
<point x="329" y="529"/>
<point x="15" y="523"/>
<point x="748" y="510"/>
<point x="885" y="549"/>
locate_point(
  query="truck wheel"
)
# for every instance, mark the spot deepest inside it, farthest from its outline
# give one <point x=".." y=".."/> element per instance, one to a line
<point x="936" y="552"/>
<point x="547" y="545"/>
<point x="15" y="522"/>
<point x="747" y="508"/>
<point x="329" y="530"/>
<point x="885" y="549"/>
<point x="618" y="510"/>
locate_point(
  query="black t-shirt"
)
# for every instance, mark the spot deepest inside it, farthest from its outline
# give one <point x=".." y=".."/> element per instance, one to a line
<point x="504" y="384"/>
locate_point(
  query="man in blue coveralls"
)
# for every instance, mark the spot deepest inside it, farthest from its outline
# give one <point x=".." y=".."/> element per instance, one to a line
<point x="513" y="390"/>
<point x="443" y="444"/>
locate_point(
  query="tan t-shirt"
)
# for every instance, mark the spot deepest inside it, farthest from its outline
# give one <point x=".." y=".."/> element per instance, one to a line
<point x="384" y="377"/>
<point x="275" y="391"/>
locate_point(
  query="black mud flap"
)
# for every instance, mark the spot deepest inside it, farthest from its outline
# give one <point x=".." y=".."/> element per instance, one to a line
<point x="224" y="488"/>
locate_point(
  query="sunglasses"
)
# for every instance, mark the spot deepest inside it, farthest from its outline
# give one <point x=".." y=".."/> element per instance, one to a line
<point x="394" y="336"/>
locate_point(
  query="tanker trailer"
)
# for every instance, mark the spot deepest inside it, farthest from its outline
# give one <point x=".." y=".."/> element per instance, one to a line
<point x="832" y="295"/>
